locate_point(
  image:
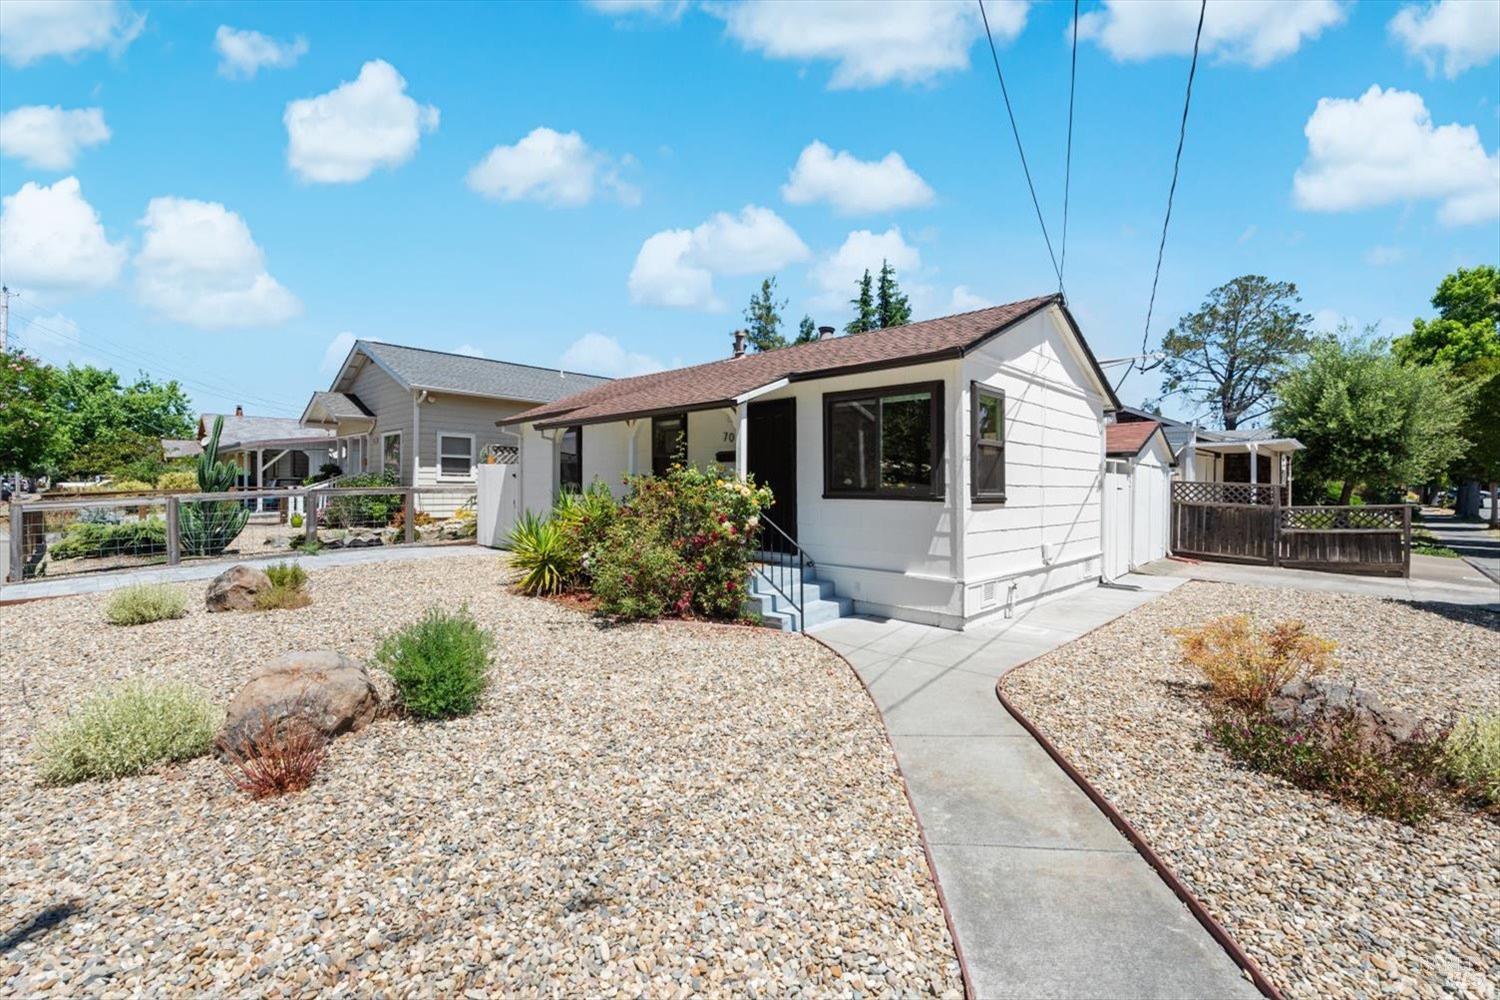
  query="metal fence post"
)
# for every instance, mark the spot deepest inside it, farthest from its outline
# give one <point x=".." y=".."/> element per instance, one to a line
<point x="409" y="517"/>
<point x="174" y="534"/>
<point x="17" y="569"/>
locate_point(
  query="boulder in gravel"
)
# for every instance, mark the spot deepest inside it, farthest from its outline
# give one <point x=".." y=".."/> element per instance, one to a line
<point x="235" y="589"/>
<point x="326" y="689"/>
<point x="1309" y="702"/>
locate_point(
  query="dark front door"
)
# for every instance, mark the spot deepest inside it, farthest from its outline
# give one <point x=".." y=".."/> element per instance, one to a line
<point x="771" y="454"/>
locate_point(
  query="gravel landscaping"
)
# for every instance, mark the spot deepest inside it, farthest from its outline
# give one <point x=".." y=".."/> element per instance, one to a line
<point x="653" y="809"/>
<point x="1329" y="901"/>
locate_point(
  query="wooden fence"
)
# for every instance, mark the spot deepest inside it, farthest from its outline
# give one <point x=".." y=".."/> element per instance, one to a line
<point x="1241" y="522"/>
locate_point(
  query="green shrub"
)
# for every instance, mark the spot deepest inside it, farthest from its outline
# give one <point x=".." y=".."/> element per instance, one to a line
<point x="638" y="574"/>
<point x="85" y="540"/>
<point x="287" y="574"/>
<point x="585" y="518"/>
<point x="1334" y="754"/>
<point x="127" y="730"/>
<point x="1471" y="758"/>
<point x="376" y="511"/>
<point x="1246" y="668"/>
<point x="288" y="588"/>
<point x="296" y="520"/>
<point x="440" y="664"/>
<point x="178" y="481"/>
<point x="545" y="553"/>
<point x="145" y="602"/>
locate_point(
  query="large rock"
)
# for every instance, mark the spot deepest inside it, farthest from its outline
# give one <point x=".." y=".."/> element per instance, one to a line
<point x="1312" y="702"/>
<point x="326" y="689"/>
<point x="235" y="589"/>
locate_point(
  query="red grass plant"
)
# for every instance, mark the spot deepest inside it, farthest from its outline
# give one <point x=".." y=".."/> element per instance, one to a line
<point x="273" y="753"/>
<point x="1245" y="667"/>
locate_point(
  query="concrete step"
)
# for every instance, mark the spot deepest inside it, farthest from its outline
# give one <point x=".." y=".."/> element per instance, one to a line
<point x="818" y="612"/>
<point x="821" y="602"/>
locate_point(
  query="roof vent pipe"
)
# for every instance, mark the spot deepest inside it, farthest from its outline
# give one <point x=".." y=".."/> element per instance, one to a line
<point x="825" y="332"/>
<point x="239" y="411"/>
<point x="739" y="343"/>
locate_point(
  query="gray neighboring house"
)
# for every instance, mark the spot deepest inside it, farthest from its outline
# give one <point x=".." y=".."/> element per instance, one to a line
<point x="430" y="416"/>
<point x="270" y="451"/>
<point x="1248" y="455"/>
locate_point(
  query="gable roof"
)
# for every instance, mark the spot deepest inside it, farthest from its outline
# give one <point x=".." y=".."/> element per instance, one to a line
<point x="440" y="371"/>
<point x="340" y="404"/>
<point x="1178" y="432"/>
<point x="240" y="431"/>
<point x="1126" y="439"/>
<point x="721" y="383"/>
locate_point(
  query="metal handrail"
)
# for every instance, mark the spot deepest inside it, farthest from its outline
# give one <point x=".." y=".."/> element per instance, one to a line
<point x="776" y="573"/>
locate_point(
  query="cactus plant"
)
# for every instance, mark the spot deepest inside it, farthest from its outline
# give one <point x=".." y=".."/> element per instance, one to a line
<point x="208" y="526"/>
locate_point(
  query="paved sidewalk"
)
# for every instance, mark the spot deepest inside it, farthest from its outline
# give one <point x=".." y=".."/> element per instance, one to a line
<point x="93" y="583"/>
<point x="1473" y="540"/>
<point x="1047" y="898"/>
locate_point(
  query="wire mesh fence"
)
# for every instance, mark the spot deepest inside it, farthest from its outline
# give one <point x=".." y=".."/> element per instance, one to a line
<point x="51" y="538"/>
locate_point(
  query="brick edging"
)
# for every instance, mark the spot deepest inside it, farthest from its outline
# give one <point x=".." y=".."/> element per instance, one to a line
<point x="937" y="883"/>
<point x="1195" y="906"/>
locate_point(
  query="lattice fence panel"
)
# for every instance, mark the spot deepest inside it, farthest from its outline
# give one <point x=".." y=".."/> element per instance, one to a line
<point x="1341" y="519"/>
<point x="1195" y="491"/>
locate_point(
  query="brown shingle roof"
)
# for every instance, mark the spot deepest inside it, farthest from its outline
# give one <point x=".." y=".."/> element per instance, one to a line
<point x="717" y="383"/>
<point x="1128" y="438"/>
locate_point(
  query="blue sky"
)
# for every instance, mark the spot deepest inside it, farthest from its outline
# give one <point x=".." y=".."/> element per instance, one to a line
<point x="603" y="185"/>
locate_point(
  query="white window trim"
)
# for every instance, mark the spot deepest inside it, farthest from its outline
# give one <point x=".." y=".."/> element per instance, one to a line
<point x="400" y="450"/>
<point x="439" y="457"/>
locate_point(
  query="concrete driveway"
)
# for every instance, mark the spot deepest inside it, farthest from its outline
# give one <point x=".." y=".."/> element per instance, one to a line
<point x="1047" y="898"/>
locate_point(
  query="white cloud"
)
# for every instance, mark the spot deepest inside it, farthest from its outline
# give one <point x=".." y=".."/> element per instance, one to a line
<point x="1465" y="33"/>
<point x="53" y="240"/>
<point x="1248" y="234"/>
<point x="1383" y="148"/>
<point x="242" y="52"/>
<point x="964" y="300"/>
<point x="596" y="354"/>
<point x="837" y="273"/>
<point x="338" y="349"/>
<point x="667" y="10"/>
<point x="50" y="138"/>
<point x="34" y="29"/>
<point x="1381" y="256"/>
<point x="469" y="350"/>
<point x="53" y="335"/>
<point x="854" y="186"/>
<point x="345" y="134"/>
<point x="199" y="265"/>
<point x="1255" y="32"/>
<point x="872" y="42"/>
<point x="676" y="267"/>
<point x="556" y="168"/>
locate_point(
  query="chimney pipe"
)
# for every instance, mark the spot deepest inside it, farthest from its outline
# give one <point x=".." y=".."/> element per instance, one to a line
<point x="739" y="343"/>
<point x="239" y="411"/>
<point x="825" y="332"/>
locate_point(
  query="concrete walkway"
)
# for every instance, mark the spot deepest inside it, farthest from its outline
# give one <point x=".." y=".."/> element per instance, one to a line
<point x="1433" y="579"/>
<point x="1473" y="540"/>
<point x="1047" y="898"/>
<point x="93" y="583"/>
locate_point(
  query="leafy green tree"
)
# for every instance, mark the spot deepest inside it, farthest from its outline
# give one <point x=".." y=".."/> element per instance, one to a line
<point x="764" y="317"/>
<point x="866" y="318"/>
<point x="1467" y="327"/>
<point x="1230" y="353"/>
<point x="104" y="426"/>
<point x="1482" y="428"/>
<point x="807" y="332"/>
<point x="890" y="304"/>
<point x="26" y="426"/>
<point x="1367" y="418"/>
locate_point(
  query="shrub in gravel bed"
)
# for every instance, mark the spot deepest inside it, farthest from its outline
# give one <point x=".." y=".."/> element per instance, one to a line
<point x="1336" y="755"/>
<point x="544" y="554"/>
<point x="128" y="730"/>
<point x="1245" y="668"/>
<point x="288" y="588"/>
<point x="88" y="540"/>
<point x="440" y="664"/>
<point x="275" y="753"/>
<point x="1471" y="758"/>
<point x="143" y="603"/>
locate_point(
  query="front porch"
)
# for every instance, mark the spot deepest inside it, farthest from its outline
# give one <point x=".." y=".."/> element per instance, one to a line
<point x="1256" y="462"/>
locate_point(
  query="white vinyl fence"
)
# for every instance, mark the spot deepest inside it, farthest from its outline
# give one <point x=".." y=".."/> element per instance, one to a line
<point x="499" y="503"/>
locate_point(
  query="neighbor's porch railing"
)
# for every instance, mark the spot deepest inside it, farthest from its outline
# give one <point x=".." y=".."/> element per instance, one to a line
<point x="86" y="535"/>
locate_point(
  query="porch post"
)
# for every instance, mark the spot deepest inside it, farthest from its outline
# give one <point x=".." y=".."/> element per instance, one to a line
<point x="630" y="447"/>
<point x="260" y="478"/>
<point x="741" y="441"/>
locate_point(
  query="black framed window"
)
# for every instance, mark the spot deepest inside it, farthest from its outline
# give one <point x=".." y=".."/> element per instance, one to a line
<point x="570" y="461"/>
<point x="987" y="442"/>
<point x="885" y="442"/>
<point x="668" y="442"/>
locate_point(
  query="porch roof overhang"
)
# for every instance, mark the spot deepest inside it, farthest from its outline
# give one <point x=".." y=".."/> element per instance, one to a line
<point x="341" y="412"/>
<point x="1262" y="444"/>
<point x="316" y="441"/>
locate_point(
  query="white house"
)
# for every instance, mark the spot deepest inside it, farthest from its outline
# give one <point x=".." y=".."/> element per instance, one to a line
<point x="1138" y="468"/>
<point x="937" y="472"/>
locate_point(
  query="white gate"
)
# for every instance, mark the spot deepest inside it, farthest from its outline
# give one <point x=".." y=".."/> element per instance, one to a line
<point x="499" y="503"/>
<point x="1117" y="522"/>
<point x="1148" y="494"/>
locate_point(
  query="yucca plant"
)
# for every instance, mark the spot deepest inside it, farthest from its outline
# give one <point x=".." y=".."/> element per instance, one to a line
<point x="545" y="553"/>
<point x="208" y="526"/>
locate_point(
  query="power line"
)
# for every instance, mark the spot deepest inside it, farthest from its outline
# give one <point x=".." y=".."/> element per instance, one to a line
<point x="995" y="55"/>
<point x="1068" y="160"/>
<point x="1161" y="247"/>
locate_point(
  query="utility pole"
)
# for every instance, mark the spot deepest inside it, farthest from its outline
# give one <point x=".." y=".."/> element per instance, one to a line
<point x="4" y="318"/>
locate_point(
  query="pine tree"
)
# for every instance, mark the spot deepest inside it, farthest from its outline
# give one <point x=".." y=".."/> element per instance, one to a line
<point x="865" y="316"/>
<point x="764" y="317"/>
<point x="807" y="332"/>
<point x="890" y="304"/>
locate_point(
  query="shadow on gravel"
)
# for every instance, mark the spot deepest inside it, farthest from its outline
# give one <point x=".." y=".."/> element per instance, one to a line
<point x="1468" y="614"/>
<point x="52" y="916"/>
